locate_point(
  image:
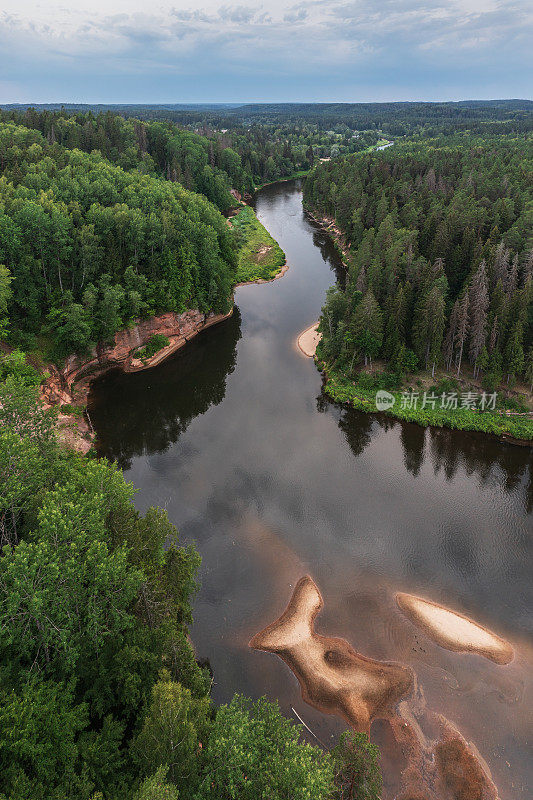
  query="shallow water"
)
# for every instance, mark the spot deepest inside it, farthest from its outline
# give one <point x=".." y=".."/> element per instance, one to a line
<point x="234" y="437"/>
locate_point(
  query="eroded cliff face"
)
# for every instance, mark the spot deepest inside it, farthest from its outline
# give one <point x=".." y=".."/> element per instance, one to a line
<point x="70" y="384"/>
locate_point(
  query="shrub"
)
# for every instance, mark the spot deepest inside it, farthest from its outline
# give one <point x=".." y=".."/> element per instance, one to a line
<point x="152" y="346"/>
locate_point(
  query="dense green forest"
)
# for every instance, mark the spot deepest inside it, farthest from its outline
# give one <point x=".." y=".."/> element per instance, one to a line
<point x="440" y="257"/>
<point x="271" y="152"/>
<point x="207" y="159"/>
<point x="90" y="245"/>
<point x="239" y="146"/>
<point x="157" y="148"/>
<point x="100" y="694"/>
<point x="394" y="119"/>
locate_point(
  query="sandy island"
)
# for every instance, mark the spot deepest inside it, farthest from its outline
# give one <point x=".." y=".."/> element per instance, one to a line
<point x="308" y="340"/>
<point x="429" y="763"/>
<point x="332" y="676"/>
<point x="453" y="631"/>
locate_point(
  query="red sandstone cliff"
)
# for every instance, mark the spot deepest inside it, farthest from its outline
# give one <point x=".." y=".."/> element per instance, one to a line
<point x="70" y="384"/>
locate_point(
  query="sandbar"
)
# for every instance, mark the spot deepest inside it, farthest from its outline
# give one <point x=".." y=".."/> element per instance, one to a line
<point x="453" y="631"/>
<point x="333" y="677"/>
<point x="308" y="340"/>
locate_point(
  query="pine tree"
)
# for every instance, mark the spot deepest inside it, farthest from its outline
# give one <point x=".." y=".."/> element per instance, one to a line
<point x="500" y="266"/>
<point x="511" y="282"/>
<point x="479" y="303"/>
<point x="529" y="368"/>
<point x="514" y="352"/>
<point x="367" y="327"/>
<point x="449" y="341"/>
<point x="462" y="329"/>
<point x="428" y="328"/>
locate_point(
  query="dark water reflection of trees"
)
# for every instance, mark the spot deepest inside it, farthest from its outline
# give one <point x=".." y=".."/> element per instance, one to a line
<point x="146" y="412"/>
<point x="476" y="454"/>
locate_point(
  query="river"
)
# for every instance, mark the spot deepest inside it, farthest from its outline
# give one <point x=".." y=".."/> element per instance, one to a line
<point x="234" y="438"/>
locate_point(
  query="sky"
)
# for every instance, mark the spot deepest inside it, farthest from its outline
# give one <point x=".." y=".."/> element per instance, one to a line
<point x="181" y="51"/>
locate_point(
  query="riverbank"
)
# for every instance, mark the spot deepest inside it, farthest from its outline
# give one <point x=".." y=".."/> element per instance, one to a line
<point x="329" y="226"/>
<point x="68" y="387"/>
<point x="298" y="174"/>
<point x="511" y="427"/>
<point x="260" y="256"/>
<point x="308" y="340"/>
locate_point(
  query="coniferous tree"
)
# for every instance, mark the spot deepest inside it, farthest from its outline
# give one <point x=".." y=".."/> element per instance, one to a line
<point x="478" y="303"/>
<point x="462" y="329"/>
<point x="429" y="326"/>
<point x="368" y="327"/>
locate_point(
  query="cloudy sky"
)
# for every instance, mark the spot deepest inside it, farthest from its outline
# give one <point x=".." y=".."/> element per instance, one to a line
<point x="206" y="51"/>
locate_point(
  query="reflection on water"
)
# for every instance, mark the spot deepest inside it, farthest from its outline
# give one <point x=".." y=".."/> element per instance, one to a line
<point x="151" y="409"/>
<point x="273" y="484"/>
<point x="480" y="456"/>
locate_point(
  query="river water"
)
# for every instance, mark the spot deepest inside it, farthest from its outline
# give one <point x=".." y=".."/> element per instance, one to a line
<point x="272" y="481"/>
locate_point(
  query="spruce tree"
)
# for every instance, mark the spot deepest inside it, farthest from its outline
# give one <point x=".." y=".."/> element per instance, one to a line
<point x="479" y="303"/>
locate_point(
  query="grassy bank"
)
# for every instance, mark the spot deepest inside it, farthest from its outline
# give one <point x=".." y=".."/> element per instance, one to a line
<point x="260" y="257"/>
<point x="301" y="173"/>
<point x="342" y="390"/>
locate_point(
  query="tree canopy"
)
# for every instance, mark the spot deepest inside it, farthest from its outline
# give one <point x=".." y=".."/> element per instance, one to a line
<point x="438" y="236"/>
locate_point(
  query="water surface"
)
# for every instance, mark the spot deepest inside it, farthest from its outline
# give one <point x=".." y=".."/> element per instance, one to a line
<point x="235" y="439"/>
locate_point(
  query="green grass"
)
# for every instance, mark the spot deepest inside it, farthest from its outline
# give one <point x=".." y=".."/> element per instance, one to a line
<point x="301" y="173"/>
<point x="342" y="390"/>
<point x="259" y="255"/>
<point x="74" y="410"/>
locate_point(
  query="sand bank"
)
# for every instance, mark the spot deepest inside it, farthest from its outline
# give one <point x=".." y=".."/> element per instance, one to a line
<point x="333" y="677"/>
<point x="307" y="341"/>
<point x="453" y="631"/>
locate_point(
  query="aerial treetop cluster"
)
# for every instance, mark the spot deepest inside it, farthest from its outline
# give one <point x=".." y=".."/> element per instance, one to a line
<point x="438" y="235"/>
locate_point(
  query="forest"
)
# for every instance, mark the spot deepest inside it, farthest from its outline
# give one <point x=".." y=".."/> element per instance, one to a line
<point x="157" y="148"/>
<point x="101" y="697"/>
<point x="394" y="119"/>
<point x="87" y="245"/>
<point x="437" y="236"/>
<point x="207" y="158"/>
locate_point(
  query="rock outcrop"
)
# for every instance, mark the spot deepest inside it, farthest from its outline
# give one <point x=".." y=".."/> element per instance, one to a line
<point x="70" y="384"/>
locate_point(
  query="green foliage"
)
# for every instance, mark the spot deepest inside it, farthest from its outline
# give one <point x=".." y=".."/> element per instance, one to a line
<point x="259" y="255"/>
<point x="15" y="365"/>
<point x="90" y="245"/>
<point x="153" y="345"/>
<point x="66" y="594"/>
<point x="94" y="598"/>
<point x="175" y="725"/>
<point x="156" y="787"/>
<point x="5" y="297"/>
<point x="254" y="753"/>
<point x="358" y="774"/>
<point x="38" y="753"/>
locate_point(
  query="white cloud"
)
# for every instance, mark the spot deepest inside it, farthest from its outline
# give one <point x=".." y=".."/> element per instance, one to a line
<point x="316" y="37"/>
